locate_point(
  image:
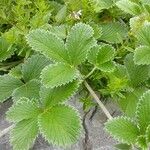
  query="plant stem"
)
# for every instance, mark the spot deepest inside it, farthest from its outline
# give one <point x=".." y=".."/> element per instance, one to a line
<point x="5" y="131"/>
<point x="102" y="106"/>
<point x="90" y="73"/>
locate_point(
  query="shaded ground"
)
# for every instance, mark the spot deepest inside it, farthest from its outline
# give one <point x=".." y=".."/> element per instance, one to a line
<point x="93" y="136"/>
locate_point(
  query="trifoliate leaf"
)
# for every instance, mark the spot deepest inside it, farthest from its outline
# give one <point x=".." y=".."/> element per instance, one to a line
<point x="58" y="74"/>
<point x="113" y="32"/>
<point x="79" y="42"/>
<point x="143" y="34"/>
<point x="123" y="129"/>
<point x="48" y="44"/>
<point x="32" y="68"/>
<point x="137" y="74"/>
<point x="8" y="85"/>
<point x="143" y="111"/>
<point x="51" y="97"/>
<point x="142" y="55"/>
<point x="23" y="134"/>
<point x="29" y="90"/>
<point x="106" y="53"/>
<point x="60" y="125"/>
<point x="22" y="110"/>
<point x="6" y="50"/>
<point x="129" y="7"/>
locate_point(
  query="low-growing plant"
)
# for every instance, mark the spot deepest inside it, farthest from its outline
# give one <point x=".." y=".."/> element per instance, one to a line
<point x="87" y="49"/>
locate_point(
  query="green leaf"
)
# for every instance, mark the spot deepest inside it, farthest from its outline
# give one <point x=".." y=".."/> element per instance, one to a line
<point x="8" y="85"/>
<point x="123" y="147"/>
<point x="61" y="15"/>
<point x="123" y="129"/>
<point x="79" y="42"/>
<point x="92" y="54"/>
<point x="129" y="102"/>
<point x="16" y="72"/>
<point x="137" y="74"/>
<point x="23" y="134"/>
<point x="142" y="55"/>
<point x="113" y="32"/>
<point x="59" y="74"/>
<point x="107" y="67"/>
<point x="143" y="34"/>
<point x="143" y="111"/>
<point x="98" y="5"/>
<point x="29" y="90"/>
<point x="22" y="110"/>
<point x="53" y="96"/>
<point x="60" y="125"/>
<point x="106" y="53"/>
<point x="48" y="44"/>
<point x="60" y="31"/>
<point x="6" y="49"/>
<point x="32" y="68"/>
<point x="129" y="7"/>
<point x="147" y="134"/>
<point x="141" y="141"/>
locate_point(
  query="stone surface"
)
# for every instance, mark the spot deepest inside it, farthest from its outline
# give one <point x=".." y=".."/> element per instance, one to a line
<point x="93" y="136"/>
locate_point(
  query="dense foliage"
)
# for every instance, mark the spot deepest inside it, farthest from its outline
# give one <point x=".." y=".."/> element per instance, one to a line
<point x="50" y="50"/>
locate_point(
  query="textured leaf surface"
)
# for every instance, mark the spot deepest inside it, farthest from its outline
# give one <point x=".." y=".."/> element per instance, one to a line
<point x="105" y="54"/>
<point x="79" y="42"/>
<point x="129" y="7"/>
<point x="48" y="44"/>
<point x="144" y="34"/>
<point x="129" y="102"/>
<point x="16" y="72"/>
<point x="98" y="5"/>
<point x="8" y="85"/>
<point x="58" y="74"/>
<point x="29" y="90"/>
<point x="5" y="49"/>
<point x="123" y="129"/>
<point x="142" y="55"/>
<point x="137" y="74"/>
<point x="51" y="97"/>
<point x="32" y="68"/>
<point x="107" y="67"/>
<point x="113" y="32"/>
<point x="141" y="141"/>
<point x="24" y="134"/>
<point x="60" y="125"/>
<point x="92" y="55"/>
<point x="143" y="111"/>
<point x="22" y="110"/>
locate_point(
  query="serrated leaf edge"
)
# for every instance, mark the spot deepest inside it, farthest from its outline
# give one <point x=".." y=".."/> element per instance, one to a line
<point x="117" y="118"/>
<point x="58" y="85"/>
<point x="80" y="123"/>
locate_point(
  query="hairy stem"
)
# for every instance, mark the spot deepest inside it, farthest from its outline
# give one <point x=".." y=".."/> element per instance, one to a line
<point x="5" y="131"/>
<point x="102" y="106"/>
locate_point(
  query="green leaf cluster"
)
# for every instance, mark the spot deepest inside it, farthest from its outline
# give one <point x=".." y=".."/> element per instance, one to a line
<point x="133" y="131"/>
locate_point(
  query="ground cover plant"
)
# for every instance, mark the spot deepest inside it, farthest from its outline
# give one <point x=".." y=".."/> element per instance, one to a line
<point x="52" y="50"/>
